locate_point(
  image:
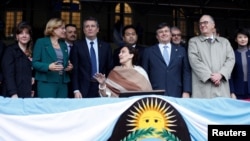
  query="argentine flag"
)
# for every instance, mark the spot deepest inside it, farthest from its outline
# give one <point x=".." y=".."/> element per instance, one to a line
<point x="94" y="119"/>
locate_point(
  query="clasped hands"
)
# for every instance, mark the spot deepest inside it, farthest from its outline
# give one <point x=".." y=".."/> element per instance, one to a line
<point x="58" y="67"/>
<point x="216" y="78"/>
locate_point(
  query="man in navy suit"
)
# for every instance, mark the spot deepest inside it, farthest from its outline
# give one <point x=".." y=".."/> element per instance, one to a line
<point x="84" y="85"/>
<point x="172" y="74"/>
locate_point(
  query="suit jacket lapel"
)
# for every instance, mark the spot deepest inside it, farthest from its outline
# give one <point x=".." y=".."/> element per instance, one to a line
<point x="174" y="51"/>
<point x="100" y="52"/>
<point x="158" y="53"/>
<point x="64" y="50"/>
<point x="49" y="48"/>
<point x="85" y="50"/>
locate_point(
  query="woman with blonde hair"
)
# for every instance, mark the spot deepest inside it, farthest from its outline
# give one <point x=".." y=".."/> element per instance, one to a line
<point x="51" y="61"/>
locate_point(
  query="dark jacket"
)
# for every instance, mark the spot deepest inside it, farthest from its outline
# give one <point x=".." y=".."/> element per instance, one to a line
<point x="174" y="78"/>
<point x="81" y="73"/>
<point x="2" y="48"/>
<point x="237" y="83"/>
<point x="17" y="72"/>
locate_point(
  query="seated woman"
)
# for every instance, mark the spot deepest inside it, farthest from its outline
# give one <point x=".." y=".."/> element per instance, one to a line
<point x="127" y="77"/>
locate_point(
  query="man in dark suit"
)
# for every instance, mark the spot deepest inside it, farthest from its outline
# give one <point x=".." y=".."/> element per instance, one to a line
<point x="167" y="65"/>
<point x="2" y="48"/>
<point x="70" y="38"/>
<point x="82" y="55"/>
<point x="130" y="36"/>
<point x="71" y="35"/>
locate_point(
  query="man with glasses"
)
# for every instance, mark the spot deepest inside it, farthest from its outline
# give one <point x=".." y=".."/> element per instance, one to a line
<point x="212" y="60"/>
<point x="176" y="36"/>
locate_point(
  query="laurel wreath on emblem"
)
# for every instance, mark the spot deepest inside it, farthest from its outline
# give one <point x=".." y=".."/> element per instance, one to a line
<point x="133" y="136"/>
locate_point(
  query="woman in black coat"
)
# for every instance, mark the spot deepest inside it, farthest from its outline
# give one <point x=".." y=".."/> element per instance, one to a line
<point x="16" y="64"/>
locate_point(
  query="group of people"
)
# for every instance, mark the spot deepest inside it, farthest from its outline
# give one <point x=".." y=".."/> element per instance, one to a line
<point x="61" y="66"/>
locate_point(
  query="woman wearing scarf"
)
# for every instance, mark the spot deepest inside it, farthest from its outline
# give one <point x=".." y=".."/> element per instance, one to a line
<point x="126" y="77"/>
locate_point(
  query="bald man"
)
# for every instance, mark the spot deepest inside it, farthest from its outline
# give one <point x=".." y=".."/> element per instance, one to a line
<point x="212" y="60"/>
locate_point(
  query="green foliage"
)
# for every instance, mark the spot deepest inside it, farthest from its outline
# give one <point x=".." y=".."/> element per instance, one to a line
<point x="133" y="136"/>
<point x="166" y="135"/>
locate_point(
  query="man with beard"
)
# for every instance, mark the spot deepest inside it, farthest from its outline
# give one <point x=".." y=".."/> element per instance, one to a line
<point x="71" y="36"/>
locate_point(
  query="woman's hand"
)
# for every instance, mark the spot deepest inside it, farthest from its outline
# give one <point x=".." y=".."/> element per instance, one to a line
<point x="14" y="96"/>
<point x="32" y="81"/>
<point x="69" y="67"/>
<point x="78" y="95"/>
<point x="55" y="66"/>
<point x="100" y="78"/>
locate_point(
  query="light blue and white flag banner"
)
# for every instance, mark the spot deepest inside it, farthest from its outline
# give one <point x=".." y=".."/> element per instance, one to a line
<point x="94" y="119"/>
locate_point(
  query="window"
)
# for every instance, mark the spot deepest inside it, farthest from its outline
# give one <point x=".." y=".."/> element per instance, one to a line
<point x="71" y="13"/>
<point x="12" y="19"/>
<point x="196" y="28"/>
<point x="180" y="21"/>
<point x="126" y="12"/>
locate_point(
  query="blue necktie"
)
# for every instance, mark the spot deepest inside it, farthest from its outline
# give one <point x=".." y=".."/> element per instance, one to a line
<point x="165" y="54"/>
<point x="93" y="59"/>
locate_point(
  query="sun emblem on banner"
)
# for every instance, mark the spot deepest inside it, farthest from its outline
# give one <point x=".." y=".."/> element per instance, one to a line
<point x="151" y="119"/>
<point x="151" y="114"/>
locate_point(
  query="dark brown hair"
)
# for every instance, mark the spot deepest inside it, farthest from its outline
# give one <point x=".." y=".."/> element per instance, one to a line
<point x="132" y="50"/>
<point x="20" y="27"/>
<point x="244" y="31"/>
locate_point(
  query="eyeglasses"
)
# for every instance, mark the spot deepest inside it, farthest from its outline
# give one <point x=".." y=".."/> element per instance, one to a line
<point x="176" y="35"/>
<point x="205" y="23"/>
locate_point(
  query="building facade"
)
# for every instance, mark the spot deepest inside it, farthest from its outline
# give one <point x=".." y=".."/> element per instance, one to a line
<point x="228" y="15"/>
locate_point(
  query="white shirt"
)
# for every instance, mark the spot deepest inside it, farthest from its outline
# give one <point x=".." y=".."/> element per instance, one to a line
<point x="68" y="46"/>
